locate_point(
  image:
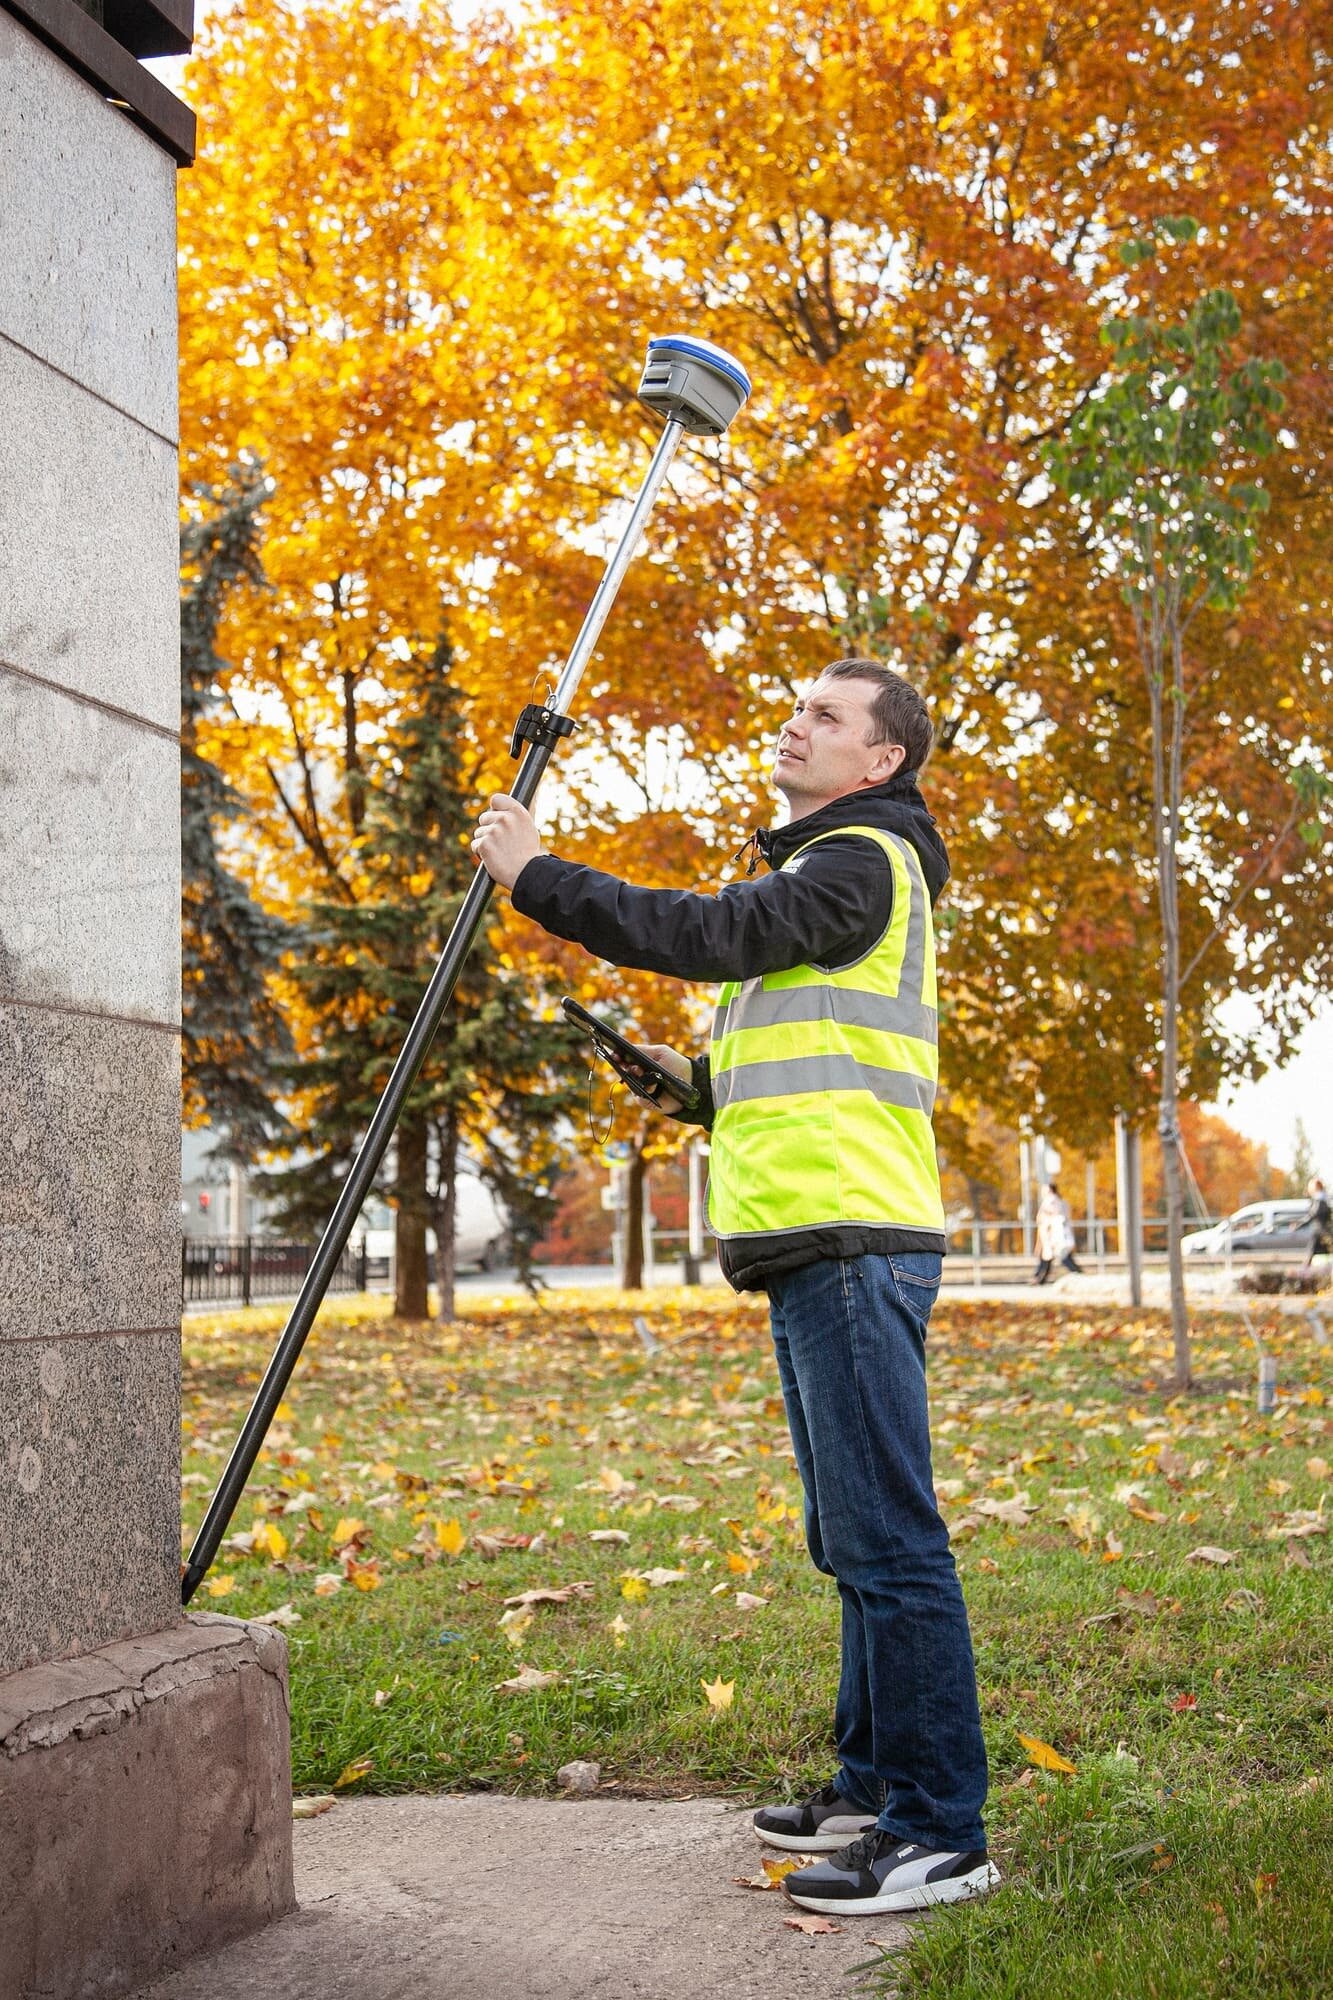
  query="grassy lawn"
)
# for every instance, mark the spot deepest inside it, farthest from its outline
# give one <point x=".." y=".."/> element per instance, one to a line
<point x="418" y="1477"/>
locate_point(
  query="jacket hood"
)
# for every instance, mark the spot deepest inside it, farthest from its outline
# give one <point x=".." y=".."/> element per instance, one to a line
<point x="895" y="807"/>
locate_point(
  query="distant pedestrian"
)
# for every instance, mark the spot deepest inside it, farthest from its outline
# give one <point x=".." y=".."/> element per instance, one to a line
<point x="1055" y="1235"/>
<point x="1319" y="1221"/>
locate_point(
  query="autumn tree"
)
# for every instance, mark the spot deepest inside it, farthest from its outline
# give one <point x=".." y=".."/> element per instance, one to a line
<point x="233" y="1033"/>
<point x="1228" y="1169"/>
<point x="489" y="1084"/>
<point x="1304" y="1166"/>
<point x="360" y="306"/>
<point x="1160" y="462"/>
<point x="907" y="224"/>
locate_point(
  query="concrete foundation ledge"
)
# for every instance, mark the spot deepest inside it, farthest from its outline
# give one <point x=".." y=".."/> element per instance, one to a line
<point x="145" y="1807"/>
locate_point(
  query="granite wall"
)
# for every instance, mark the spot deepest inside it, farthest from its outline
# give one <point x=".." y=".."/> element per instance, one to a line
<point x="145" y="1779"/>
<point x="89" y="869"/>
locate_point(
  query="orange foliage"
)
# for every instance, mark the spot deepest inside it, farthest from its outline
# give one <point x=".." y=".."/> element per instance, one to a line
<point x="420" y="265"/>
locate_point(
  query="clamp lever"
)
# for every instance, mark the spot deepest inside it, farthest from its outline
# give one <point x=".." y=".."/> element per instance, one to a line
<point x="539" y="723"/>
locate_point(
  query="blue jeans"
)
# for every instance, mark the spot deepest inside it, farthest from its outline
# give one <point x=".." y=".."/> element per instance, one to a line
<point x="850" y="1336"/>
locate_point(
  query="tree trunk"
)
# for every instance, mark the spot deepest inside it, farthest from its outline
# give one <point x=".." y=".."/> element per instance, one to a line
<point x="354" y="776"/>
<point x="1166" y="816"/>
<point x="446" y="1208"/>
<point x="638" y="1175"/>
<point x="412" y="1203"/>
<point x="1168" y="1132"/>
<point x="1169" y="1109"/>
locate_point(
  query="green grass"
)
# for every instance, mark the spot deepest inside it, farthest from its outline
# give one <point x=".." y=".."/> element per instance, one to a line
<point x="1188" y="1854"/>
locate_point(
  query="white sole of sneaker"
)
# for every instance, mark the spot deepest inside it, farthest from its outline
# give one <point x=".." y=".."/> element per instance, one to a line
<point x="843" y="1833"/>
<point x="925" y="1896"/>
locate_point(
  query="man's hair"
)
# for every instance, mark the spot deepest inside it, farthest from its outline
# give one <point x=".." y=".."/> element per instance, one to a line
<point x="897" y="714"/>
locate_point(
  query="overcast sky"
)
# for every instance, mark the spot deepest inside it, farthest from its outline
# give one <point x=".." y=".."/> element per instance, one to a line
<point x="1268" y="1110"/>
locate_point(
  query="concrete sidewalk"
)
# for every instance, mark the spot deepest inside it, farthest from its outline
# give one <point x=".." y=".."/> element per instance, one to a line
<point x="482" y="1898"/>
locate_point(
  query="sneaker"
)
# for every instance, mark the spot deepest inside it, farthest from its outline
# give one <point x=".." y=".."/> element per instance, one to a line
<point x="825" y="1822"/>
<point x="880" y="1872"/>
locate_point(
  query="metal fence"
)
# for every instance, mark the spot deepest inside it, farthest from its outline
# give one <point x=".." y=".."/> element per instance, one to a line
<point x="1093" y="1237"/>
<point x="217" y="1272"/>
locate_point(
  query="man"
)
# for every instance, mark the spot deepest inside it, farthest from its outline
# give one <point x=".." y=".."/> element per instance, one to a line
<point x="1319" y="1218"/>
<point x="824" y="1192"/>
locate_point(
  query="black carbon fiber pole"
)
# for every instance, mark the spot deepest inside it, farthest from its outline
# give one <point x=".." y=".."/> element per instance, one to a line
<point x="365" y="1166"/>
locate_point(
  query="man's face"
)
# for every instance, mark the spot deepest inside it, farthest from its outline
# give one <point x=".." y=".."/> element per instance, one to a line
<point x="824" y="752"/>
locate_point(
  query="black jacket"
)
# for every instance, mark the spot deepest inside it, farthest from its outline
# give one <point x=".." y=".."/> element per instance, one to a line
<point x="829" y="911"/>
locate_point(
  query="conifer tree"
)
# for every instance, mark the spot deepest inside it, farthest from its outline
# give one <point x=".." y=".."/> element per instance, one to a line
<point x="496" y="1080"/>
<point x="233" y="1030"/>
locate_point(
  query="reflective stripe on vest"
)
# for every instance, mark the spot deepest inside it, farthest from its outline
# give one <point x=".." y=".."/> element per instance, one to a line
<point x="824" y="1082"/>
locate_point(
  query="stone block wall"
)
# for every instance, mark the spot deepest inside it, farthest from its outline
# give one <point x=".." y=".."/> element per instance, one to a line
<point x="145" y="1785"/>
<point x="89" y="869"/>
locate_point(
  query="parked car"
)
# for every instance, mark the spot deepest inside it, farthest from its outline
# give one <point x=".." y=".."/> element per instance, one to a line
<point x="1277" y="1227"/>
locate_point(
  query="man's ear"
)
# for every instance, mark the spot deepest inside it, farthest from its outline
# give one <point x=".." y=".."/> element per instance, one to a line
<point x="890" y="758"/>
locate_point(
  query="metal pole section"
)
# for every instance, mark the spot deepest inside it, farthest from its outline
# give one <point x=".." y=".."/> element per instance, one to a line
<point x="365" y="1166"/>
<point x="604" y="596"/>
<point x="1025" y="1192"/>
<point x="695" y="1255"/>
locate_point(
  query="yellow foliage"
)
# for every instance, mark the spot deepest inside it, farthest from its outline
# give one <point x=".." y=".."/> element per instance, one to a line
<point x="910" y="234"/>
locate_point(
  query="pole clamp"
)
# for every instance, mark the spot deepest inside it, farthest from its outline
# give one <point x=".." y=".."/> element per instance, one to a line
<point x="541" y="724"/>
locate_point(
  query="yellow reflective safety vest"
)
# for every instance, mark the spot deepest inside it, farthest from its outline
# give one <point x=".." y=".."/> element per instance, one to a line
<point x="824" y="1083"/>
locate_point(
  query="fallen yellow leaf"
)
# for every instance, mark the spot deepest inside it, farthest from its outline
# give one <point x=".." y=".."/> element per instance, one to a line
<point x="346" y="1530"/>
<point x="634" y="1589"/>
<point x="514" y="1624"/>
<point x="360" y="1767"/>
<point x="775" y="1870"/>
<point x="719" y="1692"/>
<point x="449" y="1536"/>
<point x="269" y="1540"/>
<point x="1043" y="1756"/>
<point x="528" y="1680"/>
<point x="773" y="1874"/>
<point x="220" y="1586"/>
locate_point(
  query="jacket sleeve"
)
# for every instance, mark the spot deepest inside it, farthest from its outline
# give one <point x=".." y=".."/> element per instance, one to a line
<point x="829" y="910"/>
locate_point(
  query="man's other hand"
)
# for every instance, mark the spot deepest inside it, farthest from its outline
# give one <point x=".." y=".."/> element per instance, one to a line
<point x="506" y="839"/>
<point x="678" y="1064"/>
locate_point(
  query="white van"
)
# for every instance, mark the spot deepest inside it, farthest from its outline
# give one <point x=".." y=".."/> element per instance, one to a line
<point x="481" y="1230"/>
